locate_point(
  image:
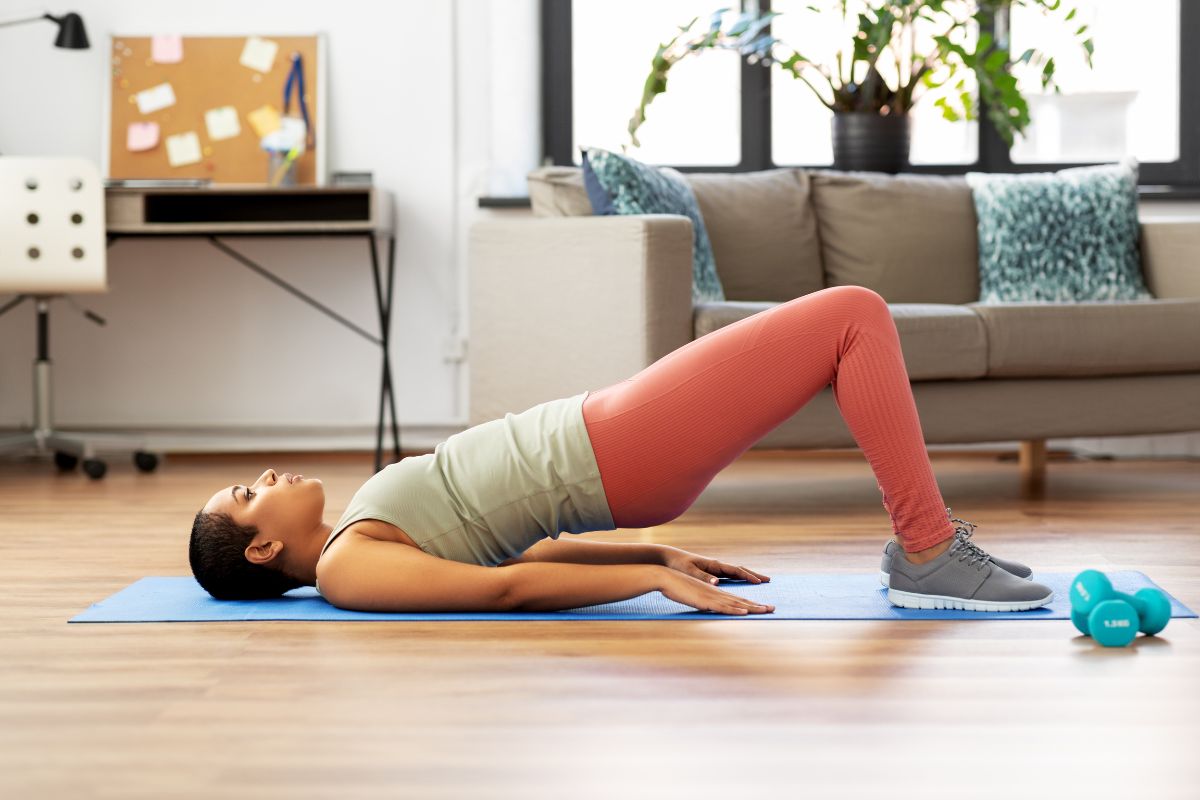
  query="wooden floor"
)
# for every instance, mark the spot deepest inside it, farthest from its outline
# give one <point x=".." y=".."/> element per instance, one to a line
<point x="717" y="708"/>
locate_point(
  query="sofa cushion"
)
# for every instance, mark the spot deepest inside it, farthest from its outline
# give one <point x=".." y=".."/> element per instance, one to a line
<point x="1059" y="236"/>
<point x="617" y="184"/>
<point x="558" y="192"/>
<point x="911" y="238"/>
<point x="761" y="225"/>
<point x="939" y="342"/>
<point x="1126" y="337"/>
<point x="763" y="232"/>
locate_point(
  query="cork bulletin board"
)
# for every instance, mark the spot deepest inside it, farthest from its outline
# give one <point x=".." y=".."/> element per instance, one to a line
<point x="197" y="106"/>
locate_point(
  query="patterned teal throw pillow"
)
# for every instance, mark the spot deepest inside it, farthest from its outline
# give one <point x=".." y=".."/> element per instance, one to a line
<point x="1059" y="236"/>
<point x="618" y="184"/>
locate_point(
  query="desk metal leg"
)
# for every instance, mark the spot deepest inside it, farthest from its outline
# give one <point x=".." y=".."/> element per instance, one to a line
<point x="382" y="303"/>
<point x="383" y="298"/>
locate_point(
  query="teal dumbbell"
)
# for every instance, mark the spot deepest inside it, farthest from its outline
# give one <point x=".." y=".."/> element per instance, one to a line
<point x="1113" y="623"/>
<point x="1150" y="608"/>
<point x="1091" y="587"/>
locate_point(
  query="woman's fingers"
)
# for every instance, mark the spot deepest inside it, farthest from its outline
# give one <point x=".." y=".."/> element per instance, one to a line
<point x="751" y="606"/>
<point x="729" y="571"/>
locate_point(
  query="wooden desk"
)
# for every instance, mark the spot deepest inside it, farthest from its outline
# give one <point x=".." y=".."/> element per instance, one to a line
<point x="220" y="212"/>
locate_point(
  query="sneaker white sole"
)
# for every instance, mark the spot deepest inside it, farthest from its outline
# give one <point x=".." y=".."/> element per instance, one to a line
<point x="933" y="601"/>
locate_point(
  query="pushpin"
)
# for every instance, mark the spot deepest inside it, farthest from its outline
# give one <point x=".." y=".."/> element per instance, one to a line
<point x="124" y="81"/>
<point x="208" y="151"/>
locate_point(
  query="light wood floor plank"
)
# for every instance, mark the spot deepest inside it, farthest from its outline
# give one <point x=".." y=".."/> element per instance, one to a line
<point x="603" y="709"/>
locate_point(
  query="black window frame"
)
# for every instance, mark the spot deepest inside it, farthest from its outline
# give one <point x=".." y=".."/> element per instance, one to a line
<point x="993" y="153"/>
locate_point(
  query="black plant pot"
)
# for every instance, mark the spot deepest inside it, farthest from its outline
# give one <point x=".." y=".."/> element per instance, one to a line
<point x="864" y="140"/>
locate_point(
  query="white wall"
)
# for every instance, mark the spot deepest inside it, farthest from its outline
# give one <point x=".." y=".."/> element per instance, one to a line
<point x="197" y="343"/>
<point x="440" y="100"/>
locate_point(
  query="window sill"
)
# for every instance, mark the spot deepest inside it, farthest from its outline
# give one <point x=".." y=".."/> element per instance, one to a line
<point x="504" y="202"/>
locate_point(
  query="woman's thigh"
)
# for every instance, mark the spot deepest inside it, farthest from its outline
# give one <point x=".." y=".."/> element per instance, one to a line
<point x="661" y="436"/>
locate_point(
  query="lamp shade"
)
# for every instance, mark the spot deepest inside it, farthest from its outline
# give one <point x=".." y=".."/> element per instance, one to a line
<point x="71" y="33"/>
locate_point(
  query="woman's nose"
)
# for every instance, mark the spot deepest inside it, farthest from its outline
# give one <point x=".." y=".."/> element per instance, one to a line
<point x="266" y="474"/>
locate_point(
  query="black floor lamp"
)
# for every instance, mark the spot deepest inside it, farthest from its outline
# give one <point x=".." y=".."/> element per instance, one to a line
<point x="71" y="33"/>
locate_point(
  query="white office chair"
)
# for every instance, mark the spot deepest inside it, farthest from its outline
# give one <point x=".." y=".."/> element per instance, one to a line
<point x="52" y="241"/>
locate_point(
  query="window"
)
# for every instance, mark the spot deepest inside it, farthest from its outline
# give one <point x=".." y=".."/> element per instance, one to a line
<point x="1126" y="104"/>
<point x="697" y="122"/>
<point x="721" y="113"/>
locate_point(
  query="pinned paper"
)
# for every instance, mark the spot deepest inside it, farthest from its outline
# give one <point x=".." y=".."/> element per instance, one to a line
<point x="222" y="123"/>
<point x="183" y="149"/>
<point x="264" y="120"/>
<point x="166" y="49"/>
<point x="155" y="98"/>
<point x="291" y="134"/>
<point x="141" y="136"/>
<point x="259" y="54"/>
<point x="294" y="131"/>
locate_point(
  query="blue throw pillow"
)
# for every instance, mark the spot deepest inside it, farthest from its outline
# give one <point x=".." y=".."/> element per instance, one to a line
<point x="617" y="184"/>
<point x="1059" y="236"/>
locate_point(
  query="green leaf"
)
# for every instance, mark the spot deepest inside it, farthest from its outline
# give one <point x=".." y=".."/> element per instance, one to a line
<point x="947" y="112"/>
<point x="995" y="60"/>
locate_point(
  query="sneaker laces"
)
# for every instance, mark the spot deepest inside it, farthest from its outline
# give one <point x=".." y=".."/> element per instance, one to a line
<point x="962" y="542"/>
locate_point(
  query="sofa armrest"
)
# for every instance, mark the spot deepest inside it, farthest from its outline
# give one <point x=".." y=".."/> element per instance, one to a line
<point x="1171" y="257"/>
<point x="561" y="305"/>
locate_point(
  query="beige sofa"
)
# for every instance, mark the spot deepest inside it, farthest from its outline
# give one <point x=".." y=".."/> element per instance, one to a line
<point x="565" y="302"/>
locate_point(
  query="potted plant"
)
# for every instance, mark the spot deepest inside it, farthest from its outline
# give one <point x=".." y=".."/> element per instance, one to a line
<point x="870" y="112"/>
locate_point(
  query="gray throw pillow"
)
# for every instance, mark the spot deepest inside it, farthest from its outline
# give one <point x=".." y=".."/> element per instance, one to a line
<point x="1059" y="236"/>
<point x="618" y="184"/>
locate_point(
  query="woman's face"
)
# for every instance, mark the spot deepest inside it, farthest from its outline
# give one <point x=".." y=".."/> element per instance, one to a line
<point x="279" y="505"/>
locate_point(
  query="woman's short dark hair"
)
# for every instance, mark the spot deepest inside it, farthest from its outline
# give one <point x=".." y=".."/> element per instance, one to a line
<point x="217" y="553"/>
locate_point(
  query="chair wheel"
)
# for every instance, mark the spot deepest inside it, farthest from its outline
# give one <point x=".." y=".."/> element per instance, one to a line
<point x="94" y="468"/>
<point x="146" y="462"/>
<point x="65" y="461"/>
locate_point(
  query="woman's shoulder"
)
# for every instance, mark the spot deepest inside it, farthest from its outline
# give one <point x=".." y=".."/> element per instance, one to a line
<point x="354" y="535"/>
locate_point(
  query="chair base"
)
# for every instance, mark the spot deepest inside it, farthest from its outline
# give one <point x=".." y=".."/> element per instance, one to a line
<point x="69" y="447"/>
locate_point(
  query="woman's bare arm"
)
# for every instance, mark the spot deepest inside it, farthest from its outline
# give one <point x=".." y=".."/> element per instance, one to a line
<point x="534" y="586"/>
<point x="585" y="551"/>
<point x="556" y="587"/>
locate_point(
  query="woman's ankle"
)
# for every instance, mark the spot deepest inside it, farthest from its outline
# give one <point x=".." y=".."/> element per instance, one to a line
<point x="929" y="553"/>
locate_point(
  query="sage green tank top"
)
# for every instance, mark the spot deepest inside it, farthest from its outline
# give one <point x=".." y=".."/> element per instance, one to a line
<point x="488" y="493"/>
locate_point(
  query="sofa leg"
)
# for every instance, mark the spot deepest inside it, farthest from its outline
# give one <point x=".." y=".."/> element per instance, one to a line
<point x="1032" y="460"/>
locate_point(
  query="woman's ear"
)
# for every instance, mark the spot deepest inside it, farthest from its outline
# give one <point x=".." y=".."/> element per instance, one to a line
<point x="264" y="553"/>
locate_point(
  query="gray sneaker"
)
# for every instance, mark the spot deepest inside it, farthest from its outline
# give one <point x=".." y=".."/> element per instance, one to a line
<point x="962" y="577"/>
<point x="889" y="552"/>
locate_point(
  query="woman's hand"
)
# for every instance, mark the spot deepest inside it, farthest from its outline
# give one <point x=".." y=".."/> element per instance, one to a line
<point x="707" y="569"/>
<point x="705" y="597"/>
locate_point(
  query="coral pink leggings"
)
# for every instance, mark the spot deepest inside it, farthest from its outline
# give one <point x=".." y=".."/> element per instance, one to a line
<point x="661" y="436"/>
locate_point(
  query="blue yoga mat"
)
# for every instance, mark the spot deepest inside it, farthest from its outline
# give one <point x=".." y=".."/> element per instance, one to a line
<point x="800" y="596"/>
